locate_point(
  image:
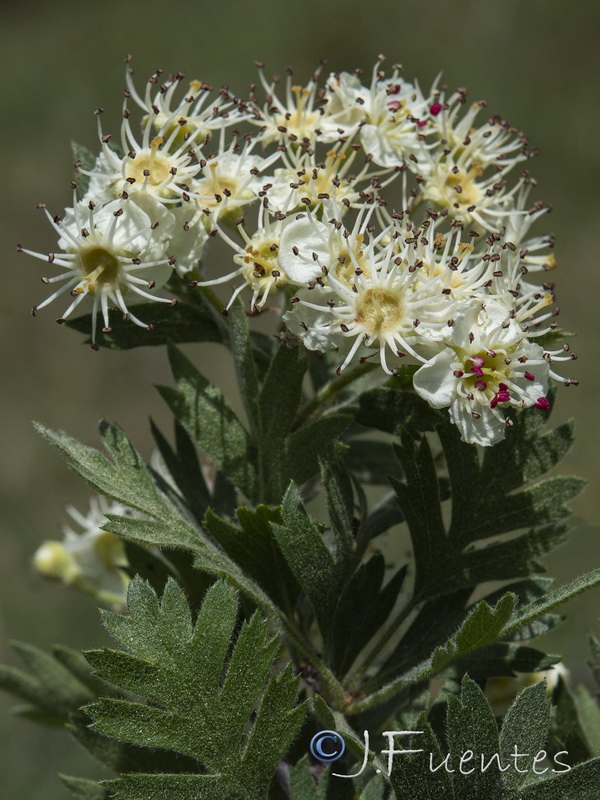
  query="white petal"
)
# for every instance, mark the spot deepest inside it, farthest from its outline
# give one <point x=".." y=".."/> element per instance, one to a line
<point x="466" y="322"/>
<point x="378" y="145"/>
<point x="309" y="237"/>
<point x="435" y="381"/>
<point x="485" y="430"/>
<point x="319" y="335"/>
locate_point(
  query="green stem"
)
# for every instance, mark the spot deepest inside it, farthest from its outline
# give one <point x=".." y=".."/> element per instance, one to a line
<point x="334" y="688"/>
<point x="328" y="393"/>
<point x="380" y="696"/>
<point x="383" y="641"/>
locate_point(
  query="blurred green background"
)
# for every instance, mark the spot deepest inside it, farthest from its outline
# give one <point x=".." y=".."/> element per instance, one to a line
<point x="537" y="62"/>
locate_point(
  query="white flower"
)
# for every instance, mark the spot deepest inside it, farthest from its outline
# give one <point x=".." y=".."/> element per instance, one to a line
<point x="256" y="260"/>
<point x="303" y="115"/>
<point x="230" y="179"/>
<point x="492" y="142"/>
<point x="464" y="168"/>
<point x="91" y="560"/>
<point x="109" y="254"/>
<point x="311" y="249"/>
<point x="388" y="112"/>
<point x="501" y="692"/>
<point x="485" y="365"/>
<point x="306" y="180"/>
<point x="196" y="116"/>
<point x="159" y="164"/>
<point x="460" y="186"/>
<point x="380" y="300"/>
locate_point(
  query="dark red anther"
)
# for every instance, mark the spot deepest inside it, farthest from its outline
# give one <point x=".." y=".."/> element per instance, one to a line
<point x="435" y="109"/>
<point x="478" y="363"/>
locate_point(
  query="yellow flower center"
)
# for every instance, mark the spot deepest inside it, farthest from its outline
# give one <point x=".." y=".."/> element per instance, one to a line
<point x="380" y="311"/>
<point x="300" y="122"/>
<point x="153" y="168"/>
<point x="213" y="184"/>
<point x="455" y="189"/>
<point x="99" y="267"/>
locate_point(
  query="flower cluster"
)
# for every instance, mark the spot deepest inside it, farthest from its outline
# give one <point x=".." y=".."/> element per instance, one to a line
<point x="385" y="220"/>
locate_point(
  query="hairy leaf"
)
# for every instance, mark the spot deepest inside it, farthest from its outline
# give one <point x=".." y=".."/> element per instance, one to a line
<point x="200" y="690"/>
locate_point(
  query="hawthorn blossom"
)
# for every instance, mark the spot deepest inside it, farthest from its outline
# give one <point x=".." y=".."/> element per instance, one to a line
<point x="256" y="260"/>
<point x="230" y="179"/>
<point x="486" y="365"/>
<point x="195" y="117"/>
<point x="111" y="255"/>
<point x="385" y="304"/>
<point x="155" y="163"/>
<point x="303" y="115"/>
<point x="387" y="113"/>
<point x="387" y="221"/>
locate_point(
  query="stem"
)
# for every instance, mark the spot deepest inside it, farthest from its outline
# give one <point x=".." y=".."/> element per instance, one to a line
<point x="329" y="392"/>
<point x="334" y="687"/>
<point x="385" y="638"/>
<point x="365" y="703"/>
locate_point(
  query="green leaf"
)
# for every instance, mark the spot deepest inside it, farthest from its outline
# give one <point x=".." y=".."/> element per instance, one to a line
<point x="577" y="724"/>
<point x="411" y="777"/>
<point x="307" y="556"/>
<point x="211" y="422"/>
<point x="419" y="500"/>
<point x="52" y="686"/>
<point x="390" y="409"/>
<point x="580" y="783"/>
<point x="363" y="607"/>
<point x="483" y="626"/>
<point x="253" y="547"/>
<point x="371" y="461"/>
<point x="86" y="160"/>
<point x="314" y="441"/>
<point x="126" y="479"/>
<point x="532" y="611"/>
<point x="281" y="391"/>
<point x="339" y="494"/>
<point x="501" y="660"/>
<point x="526" y="724"/>
<point x="278" y="402"/>
<point x="594" y="662"/>
<point x="123" y="757"/>
<point x="84" y="789"/>
<point x="170" y="787"/>
<point x="184" y="467"/>
<point x="472" y="727"/>
<point x="55" y="686"/>
<point x="244" y="365"/>
<point x="179" y="323"/>
<point x="213" y="698"/>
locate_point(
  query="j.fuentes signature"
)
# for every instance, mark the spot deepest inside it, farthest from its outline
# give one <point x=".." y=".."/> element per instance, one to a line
<point x="328" y="746"/>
